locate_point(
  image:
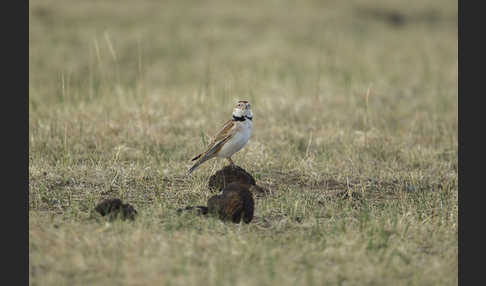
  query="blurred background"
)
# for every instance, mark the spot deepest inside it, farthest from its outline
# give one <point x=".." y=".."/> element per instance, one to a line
<point x="254" y="47"/>
<point x="147" y="70"/>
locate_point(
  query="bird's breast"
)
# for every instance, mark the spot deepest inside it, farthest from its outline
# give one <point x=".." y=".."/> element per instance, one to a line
<point x="237" y="142"/>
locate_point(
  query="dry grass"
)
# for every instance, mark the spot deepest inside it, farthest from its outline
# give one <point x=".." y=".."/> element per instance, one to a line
<point x="358" y="97"/>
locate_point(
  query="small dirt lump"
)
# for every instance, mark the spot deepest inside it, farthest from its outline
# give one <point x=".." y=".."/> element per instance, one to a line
<point x="235" y="203"/>
<point x="115" y="208"/>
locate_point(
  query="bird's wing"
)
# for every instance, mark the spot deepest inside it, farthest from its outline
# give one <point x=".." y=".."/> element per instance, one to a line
<point x="203" y="157"/>
<point x="226" y="130"/>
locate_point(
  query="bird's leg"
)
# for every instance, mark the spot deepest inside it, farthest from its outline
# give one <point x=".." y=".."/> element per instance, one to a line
<point x="231" y="161"/>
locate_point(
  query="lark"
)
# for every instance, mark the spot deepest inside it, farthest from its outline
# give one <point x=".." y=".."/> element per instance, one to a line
<point x="232" y="137"/>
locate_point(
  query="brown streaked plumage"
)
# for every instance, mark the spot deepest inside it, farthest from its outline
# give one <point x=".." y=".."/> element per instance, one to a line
<point x="224" y="132"/>
<point x="231" y="138"/>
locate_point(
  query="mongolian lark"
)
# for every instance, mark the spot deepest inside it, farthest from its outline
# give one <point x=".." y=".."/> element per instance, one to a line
<point x="232" y="137"/>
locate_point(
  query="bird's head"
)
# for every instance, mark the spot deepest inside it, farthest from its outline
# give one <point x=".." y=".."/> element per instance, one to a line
<point x="242" y="111"/>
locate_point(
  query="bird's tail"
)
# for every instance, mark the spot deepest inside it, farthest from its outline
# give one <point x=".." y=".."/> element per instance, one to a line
<point x="197" y="164"/>
<point x="203" y="157"/>
<point x="197" y="157"/>
<point x="194" y="167"/>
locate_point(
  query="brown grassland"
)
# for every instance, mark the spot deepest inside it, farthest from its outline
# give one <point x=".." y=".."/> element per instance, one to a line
<point x="355" y="135"/>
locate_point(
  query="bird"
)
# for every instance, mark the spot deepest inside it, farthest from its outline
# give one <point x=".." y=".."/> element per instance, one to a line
<point x="232" y="137"/>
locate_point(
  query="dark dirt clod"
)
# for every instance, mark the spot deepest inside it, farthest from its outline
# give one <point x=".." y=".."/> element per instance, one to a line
<point x="235" y="203"/>
<point x="115" y="208"/>
<point x="228" y="175"/>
